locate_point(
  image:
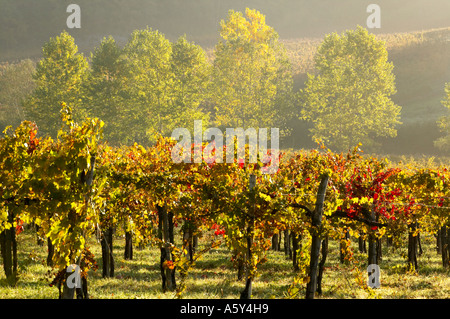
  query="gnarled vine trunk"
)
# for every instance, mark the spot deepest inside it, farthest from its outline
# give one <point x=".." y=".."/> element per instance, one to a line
<point x="50" y="253"/>
<point x="316" y="239"/>
<point x="247" y="292"/>
<point x="128" y="254"/>
<point x="412" y="245"/>
<point x="165" y="234"/>
<point x="296" y="245"/>
<point x="107" y="253"/>
<point x="322" y="264"/>
<point x="445" y="246"/>
<point x="373" y="257"/>
<point x="8" y="247"/>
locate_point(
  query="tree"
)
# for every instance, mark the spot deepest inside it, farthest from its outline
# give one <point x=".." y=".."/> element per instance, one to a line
<point x="105" y="90"/>
<point x="251" y="78"/>
<point x="58" y="77"/>
<point x="348" y="100"/>
<point x="16" y="82"/>
<point x="150" y="79"/>
<point x="444" y="123"/>
<point x="191" y="73"/>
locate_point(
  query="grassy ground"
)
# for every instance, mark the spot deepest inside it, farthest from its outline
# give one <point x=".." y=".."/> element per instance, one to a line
<point x="213" y="277"/>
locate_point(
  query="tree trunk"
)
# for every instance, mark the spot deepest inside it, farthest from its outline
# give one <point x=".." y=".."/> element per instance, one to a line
<point x="412" y="245"/>
<point x="51" y="251"/>
<point x="287" y="243"/>
<point x="240" y="265"/>
<point x="445" y="246"/>
<point x="5" y="241"/>
<point x="171" y="241"/>
<point x="8" y="249"/>
<point x="194" y="243"/>
<point x="439" y="241"/>
<point x="362" y="245"/>
<point x="188" y="240"/>
<point x="68" y="292"/>
<point x="107" y="253"/>
<point x="412" y="250"/>
<point x="105" y="257"/>
<point x="110" y="242"/>
<point x="14" y="251"/>
<point x="247" y="292"/>
<point x="379" y="250"/>
<point x="316" y="241"/>
<point x="73" y="283"/>
<point x="295" y="248"/>
<point x="82" y="292"/>
<point x="275" y="245"/>
<point x="322" y="265"/>
<point x="372" y="250"/>
<point x="39" y="239"/>
<point x="170" y="224"/>
<point x="419" y="243"/>
<point x="128" y="255"/>
<point x="389" y="241"/>
<point x="167" y="272"/>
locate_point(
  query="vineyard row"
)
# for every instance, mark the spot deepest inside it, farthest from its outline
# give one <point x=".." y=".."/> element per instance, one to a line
<point x="76" y="187"/>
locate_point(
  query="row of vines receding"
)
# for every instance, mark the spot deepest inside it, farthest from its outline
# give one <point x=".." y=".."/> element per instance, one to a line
<point x="77" y="187"/>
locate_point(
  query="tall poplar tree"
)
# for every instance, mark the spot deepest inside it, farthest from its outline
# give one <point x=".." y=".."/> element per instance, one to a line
<point x="150" y="83"/>
<point x="191" y="76"/>
<point x="251" y="81"/>
<point x="105" y="90"/>
<point x="59" y="77"/>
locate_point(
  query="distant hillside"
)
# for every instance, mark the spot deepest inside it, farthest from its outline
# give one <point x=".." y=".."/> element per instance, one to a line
<point x="25" y="25"/>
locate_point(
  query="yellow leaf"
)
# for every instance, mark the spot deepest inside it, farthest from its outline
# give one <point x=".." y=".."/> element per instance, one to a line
<point x="265" y="197"/>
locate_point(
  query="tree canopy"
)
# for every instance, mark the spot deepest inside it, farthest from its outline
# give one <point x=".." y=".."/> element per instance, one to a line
<point x="444" y="123"/>
<point x="251" y="78"/>
<point x="59" y="77"/>
<point x="349" y="99"/>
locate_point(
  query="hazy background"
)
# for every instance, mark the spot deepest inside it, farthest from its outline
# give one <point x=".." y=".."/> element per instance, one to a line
<point x="26" y="24"/>
<point x="421" y="69"/>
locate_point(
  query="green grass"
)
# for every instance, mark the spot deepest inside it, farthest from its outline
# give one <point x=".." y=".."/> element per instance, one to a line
<point x="214" y="278"/>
